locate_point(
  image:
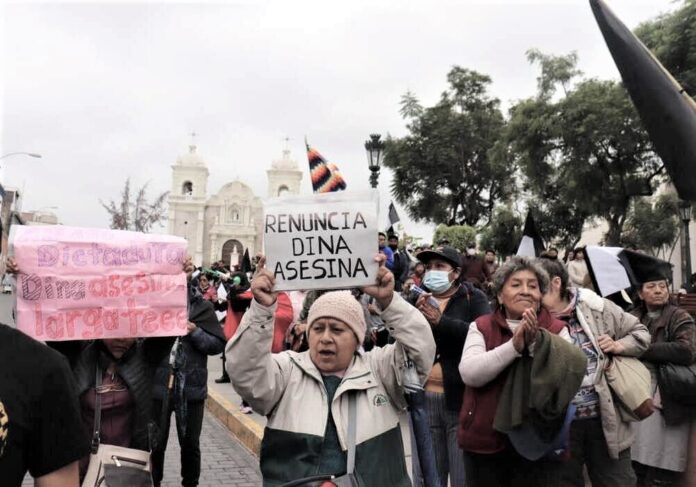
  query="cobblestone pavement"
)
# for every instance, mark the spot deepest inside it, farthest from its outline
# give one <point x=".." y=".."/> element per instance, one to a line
<point x="224" y="461"/>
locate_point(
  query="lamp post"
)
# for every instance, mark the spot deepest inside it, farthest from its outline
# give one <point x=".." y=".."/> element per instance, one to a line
<point x="685" y="215"/>
<point x="374" y="148"/>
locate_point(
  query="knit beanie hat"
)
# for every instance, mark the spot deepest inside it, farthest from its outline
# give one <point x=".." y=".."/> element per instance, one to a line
<point x="340" y="305"/>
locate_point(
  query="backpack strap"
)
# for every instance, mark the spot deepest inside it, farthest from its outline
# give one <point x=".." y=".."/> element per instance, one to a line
<point x="96" y="439"/>
<point x="352" y="426"/>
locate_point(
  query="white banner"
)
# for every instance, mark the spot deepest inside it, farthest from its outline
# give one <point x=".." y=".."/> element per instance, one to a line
<point x="322" y="241"/>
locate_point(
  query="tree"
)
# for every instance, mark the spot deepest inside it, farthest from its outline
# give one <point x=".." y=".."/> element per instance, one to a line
<point x="585" y="155"/>
<point x="672" y="38"/>
<point x="449" y="168"/>
<point x="137" y="214"/>
<point x="459" y="236"/>
<point x="504" y="232"/>
<point x="654" y="227"/>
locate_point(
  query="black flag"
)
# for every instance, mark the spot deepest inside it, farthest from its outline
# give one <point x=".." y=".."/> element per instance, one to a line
<point x="393" y="215"/>
<point x="531" y="244"/>
<point x="667" y="111"/>
<point x="246" y="262"/>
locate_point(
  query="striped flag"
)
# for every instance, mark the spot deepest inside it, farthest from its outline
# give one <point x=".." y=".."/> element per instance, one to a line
<point x="325" y="176"/>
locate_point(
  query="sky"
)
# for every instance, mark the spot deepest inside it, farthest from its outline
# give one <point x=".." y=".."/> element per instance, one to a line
<point x="106" y="91"/>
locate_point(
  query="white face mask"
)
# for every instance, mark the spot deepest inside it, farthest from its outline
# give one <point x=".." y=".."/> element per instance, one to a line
<point x="471" y="252"/>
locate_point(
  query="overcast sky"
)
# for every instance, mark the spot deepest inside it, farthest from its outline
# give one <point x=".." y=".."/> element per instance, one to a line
<point x="106" y="91"/>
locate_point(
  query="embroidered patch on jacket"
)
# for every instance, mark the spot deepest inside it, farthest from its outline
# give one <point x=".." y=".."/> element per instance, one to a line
<point x="380" y="400"/>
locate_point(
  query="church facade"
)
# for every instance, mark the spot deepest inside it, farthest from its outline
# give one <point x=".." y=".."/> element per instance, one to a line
<point x="222" y="226"/>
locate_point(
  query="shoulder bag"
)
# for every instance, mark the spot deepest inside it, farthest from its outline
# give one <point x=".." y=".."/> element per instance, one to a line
<point x="629" y="380"/>
<point x="111" y="465"/>
<point x="677" y="382"/>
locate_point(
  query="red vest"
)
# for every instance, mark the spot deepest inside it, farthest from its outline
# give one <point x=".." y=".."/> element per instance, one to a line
<point x="476" y="433"/>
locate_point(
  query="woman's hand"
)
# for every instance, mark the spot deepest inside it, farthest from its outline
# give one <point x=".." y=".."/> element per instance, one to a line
<point x="11" y="266"/>
<point x="518" y="339"/>
<point x="531" y="325"/>
<point x="431" y="313"/>
<point x="190" y="327"/>
<point x="608" y="345"/>
<point x="188" y="267"/>
<point x="262" y="284"/>
<point x="383" y="289"/>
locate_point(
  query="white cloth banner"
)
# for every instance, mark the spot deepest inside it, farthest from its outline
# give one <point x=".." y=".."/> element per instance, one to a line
<point x="322" y="241"/>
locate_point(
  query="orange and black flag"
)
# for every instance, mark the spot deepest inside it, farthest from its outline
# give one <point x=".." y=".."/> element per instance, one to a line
<point x="325" y="176"/>
<point x="667" y="111"/>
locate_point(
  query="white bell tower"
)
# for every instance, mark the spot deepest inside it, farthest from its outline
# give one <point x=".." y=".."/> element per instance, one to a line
<point x="284" y="176"/>
<point x="187" y="199"/>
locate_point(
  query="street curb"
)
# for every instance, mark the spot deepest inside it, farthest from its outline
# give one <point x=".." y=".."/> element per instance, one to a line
<point x="248" y="432"/>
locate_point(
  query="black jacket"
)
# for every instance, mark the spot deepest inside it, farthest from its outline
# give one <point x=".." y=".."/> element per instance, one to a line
<point x="136" y="367"/>
<point x="467" y="304"/>
<point x="206" y="339"/>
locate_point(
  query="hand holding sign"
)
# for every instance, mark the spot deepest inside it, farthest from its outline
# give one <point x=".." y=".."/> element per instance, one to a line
<point x="262" y="284"/>
<point x="383" y="289"/>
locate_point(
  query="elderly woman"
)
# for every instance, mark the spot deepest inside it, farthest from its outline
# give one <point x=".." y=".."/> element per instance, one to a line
<point x="493" y="343"/>
<point x="307" y="395"/>
<point x="661" y="447"/>
<point x="599" y="438"/>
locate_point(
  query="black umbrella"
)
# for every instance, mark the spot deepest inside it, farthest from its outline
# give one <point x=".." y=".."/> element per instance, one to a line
<point x="667" y="111"/>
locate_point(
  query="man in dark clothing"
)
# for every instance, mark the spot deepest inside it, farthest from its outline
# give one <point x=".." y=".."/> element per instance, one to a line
<point x="188" y="363"/>
<point x="474" y="268"/>
<point x="401" y="264"/>
<point x="40" y="425"/>
<point x="449" y="306"/>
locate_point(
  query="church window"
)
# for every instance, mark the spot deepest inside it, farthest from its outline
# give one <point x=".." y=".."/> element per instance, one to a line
<point x="233" y="213"/>
<point x="187" y="188"/>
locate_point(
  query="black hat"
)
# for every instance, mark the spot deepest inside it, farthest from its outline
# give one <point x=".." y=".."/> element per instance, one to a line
<point x="448" y="254"/>
<point x="642" y="268"/>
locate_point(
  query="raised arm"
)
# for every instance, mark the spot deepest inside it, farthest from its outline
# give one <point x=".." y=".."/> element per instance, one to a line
<point x="258" y="375"/>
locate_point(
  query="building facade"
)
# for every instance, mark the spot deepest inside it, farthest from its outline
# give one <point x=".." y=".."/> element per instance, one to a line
<point x="223" y="225"/>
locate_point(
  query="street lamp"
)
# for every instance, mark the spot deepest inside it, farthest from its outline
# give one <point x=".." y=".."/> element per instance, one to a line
<point x="685" y="215"/>
<point x="374" y="148"/>
<point x="30" y="154"/>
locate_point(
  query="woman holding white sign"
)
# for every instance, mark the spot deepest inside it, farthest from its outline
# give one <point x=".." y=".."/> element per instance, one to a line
<point x="314" y="399"/>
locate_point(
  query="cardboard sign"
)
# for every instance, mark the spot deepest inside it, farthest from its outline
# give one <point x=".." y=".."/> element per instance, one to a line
<point x="84" y="284"/>
<point x="323" y="241"/>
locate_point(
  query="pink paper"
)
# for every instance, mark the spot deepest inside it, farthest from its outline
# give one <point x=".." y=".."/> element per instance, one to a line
<point x="85" y="283"/>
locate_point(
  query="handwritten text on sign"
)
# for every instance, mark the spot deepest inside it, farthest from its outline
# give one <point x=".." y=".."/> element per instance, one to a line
<point x="83" y="284"/>
<point x="321" y="241"/>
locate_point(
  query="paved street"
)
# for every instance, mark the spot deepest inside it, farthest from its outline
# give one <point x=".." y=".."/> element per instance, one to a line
<point x="225" y="462"/>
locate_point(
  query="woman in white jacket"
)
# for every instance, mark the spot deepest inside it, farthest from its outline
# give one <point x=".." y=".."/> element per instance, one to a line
<point x="599" y="439"/>
<point x="306" y="395"/>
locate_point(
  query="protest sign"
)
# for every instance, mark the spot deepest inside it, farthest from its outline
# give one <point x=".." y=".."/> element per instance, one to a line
<point x="322" y="241"/>
<point x="83" y="284"/>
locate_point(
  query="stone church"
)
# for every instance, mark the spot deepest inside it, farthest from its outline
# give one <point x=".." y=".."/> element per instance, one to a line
<point x="222" y="226"/>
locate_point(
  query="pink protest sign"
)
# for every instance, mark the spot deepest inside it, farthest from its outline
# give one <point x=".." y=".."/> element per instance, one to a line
<point x="84" y="284"/>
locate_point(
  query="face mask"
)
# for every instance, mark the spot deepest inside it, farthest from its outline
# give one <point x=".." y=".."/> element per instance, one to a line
<point x="471" y="252"/>
<point x="437" y="281"/>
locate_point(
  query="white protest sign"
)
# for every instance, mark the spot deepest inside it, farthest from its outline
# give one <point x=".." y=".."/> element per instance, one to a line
<point x="322" y="241"/>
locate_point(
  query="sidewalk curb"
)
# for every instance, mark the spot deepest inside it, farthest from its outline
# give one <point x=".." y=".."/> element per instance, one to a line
<point x="247" y="431"/>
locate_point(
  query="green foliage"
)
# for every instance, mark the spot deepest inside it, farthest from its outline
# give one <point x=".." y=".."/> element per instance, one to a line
<point x="458" y="235"/>
<point x="585" y="155"/>
<point x="451" y="167"/>
<point x="653" y="227"/>
<point x="137" y="214"/>
<point x="504" y="232"/>
<point x="672" y="38"/>
<point x="554" y="70"/>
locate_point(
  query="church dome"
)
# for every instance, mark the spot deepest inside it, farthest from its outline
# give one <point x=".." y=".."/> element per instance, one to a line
<point x="191" y="158"/>
<point x="285" y="162"/>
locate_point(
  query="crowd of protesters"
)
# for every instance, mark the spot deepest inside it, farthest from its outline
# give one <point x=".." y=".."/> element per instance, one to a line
<point x="513" y="356"/>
